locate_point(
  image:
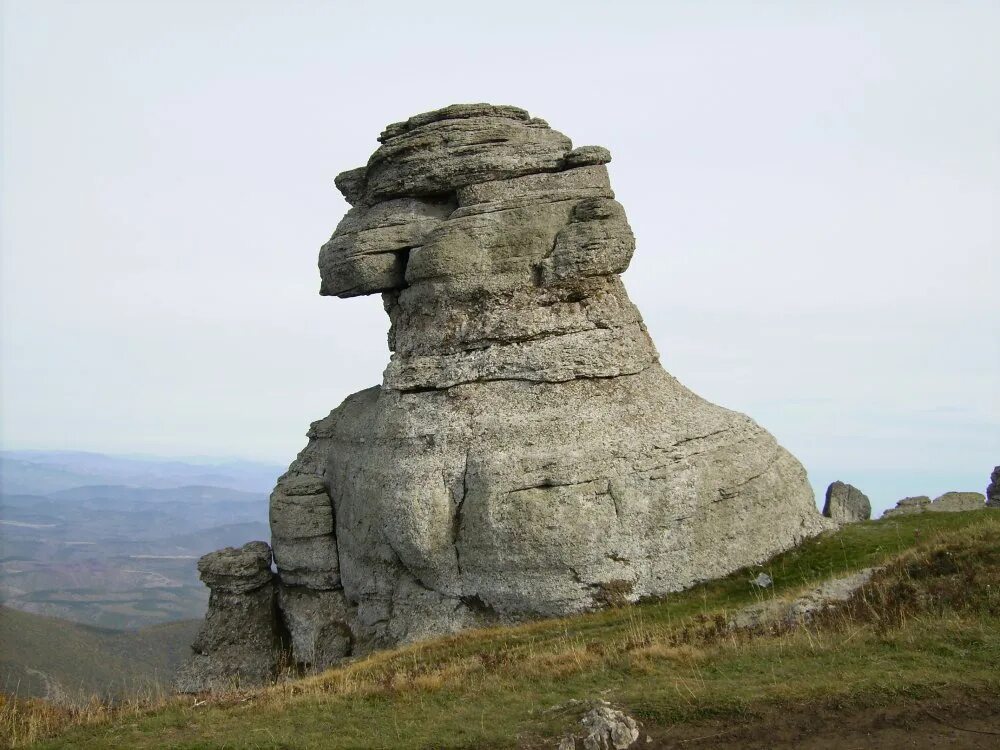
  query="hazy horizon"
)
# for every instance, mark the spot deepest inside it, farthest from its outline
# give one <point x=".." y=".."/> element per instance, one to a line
<point x="813" y="189"/>
<point x="881" y="487"/>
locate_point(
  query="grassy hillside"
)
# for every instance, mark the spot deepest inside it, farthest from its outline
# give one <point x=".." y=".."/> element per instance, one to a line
<point x="927" y="628"/>
<point x="68" y="662"/>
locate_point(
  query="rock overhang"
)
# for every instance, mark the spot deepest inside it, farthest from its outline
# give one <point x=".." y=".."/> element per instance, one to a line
<point x="446" y="168"/>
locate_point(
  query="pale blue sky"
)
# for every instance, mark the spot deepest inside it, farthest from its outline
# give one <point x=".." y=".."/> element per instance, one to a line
<point x="814" y="188"/>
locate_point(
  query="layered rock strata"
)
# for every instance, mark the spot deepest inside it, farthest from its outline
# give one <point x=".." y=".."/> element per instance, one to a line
<point x="525" y="455"/>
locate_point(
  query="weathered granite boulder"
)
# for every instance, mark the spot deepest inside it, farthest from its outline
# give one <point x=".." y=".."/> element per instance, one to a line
<point x="240" y="642"/>
<point x="845" y="503"/>
<point x="525" y="455"/>
<point x="993" y="489"/>
<point x="949" y="502"/>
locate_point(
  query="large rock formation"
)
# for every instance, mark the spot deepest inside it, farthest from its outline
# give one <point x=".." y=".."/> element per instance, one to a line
<point x="845" y="503"/>
<point x="525" y="455"/>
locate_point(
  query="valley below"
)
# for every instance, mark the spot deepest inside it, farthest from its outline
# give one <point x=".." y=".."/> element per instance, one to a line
<point x="98" y="581"/>
<point x="112" y="542"/>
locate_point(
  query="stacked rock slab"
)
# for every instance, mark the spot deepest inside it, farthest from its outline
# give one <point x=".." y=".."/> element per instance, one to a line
<point x="240" y="642"/>
<point x="845" y="503"/>
<point x="525" y="455"/>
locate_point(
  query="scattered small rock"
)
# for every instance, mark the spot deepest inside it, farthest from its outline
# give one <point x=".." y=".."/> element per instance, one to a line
<point x="909" y="505"/>
<point x="606" y="729"/>
<point x="956" y="502"/>
<point x="609" y="729"/>
<point x="763" y="580"/>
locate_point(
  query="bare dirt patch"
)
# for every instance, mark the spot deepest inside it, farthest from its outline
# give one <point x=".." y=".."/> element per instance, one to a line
<point x="953" y="722"/>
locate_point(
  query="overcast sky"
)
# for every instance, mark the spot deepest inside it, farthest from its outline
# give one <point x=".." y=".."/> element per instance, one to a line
<point x="814" y="188"/>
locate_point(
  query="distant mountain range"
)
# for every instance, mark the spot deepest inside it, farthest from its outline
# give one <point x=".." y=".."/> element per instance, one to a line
<point x="42" y="472"/>
<point x="112" y="541"/>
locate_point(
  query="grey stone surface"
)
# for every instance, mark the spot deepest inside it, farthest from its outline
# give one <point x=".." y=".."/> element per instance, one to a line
<point x="240" y="643"/>
<point x="308" y="561"/>
<point x="442" y="152"/>
<point x="369" y="250"/>
<point x="546" y="187"/>
<point x="804" y="606"/>
<point x="956" y="502"/>
<point x="236" y="570"/>
<point x="302" y="530"/>
<point x="525" y="455"/>
<point x="454" y="112"/>
<point x="845" y="503"/>
<point x="908" y="506"/>
<point x="993" y="489"/>
<point x="316" y="621"/>
<point x="949" y="502"/>
<point x="916" y="501"/>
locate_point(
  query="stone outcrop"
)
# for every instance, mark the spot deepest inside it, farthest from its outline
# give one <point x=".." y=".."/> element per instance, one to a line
<point x="993" y="489"/>
<point x="908" y="506"/>
<point x="956" y="502"/>
<point x="949" y="502"/>
<point x="525" y="455"/>
<point x="845" y="503"/>
<point x="241" y="640"/>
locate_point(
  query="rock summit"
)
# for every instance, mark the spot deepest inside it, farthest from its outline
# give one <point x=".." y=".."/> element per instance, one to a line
<point x="525" y="455"/>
